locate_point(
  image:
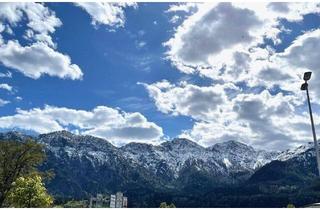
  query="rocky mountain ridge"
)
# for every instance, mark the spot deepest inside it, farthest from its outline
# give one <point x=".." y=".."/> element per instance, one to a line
<point x="86" y="165"/>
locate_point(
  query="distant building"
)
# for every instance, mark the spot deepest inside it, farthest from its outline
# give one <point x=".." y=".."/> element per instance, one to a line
<point x="125" y="202"/>
<point x="118" y="201"/>
<point x="100" y="201"/>
<point x="113" y="201"/>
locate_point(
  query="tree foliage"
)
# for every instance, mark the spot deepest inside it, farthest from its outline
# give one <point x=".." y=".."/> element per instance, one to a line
<point x="76" y="204"/>
<point x="29" y="192"/>
<point x="290" y="205"/>
<point x="165" y="205"/>
<point x="17" y="159"/>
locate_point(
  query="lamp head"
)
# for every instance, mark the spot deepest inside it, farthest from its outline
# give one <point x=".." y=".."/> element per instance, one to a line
<point x="307" y="75"/>
<point x="304" y="86"/>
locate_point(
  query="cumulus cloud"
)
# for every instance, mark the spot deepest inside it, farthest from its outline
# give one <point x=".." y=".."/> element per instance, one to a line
<point x="265" y="120"/>
<point x="208" y="32"/>
<point x="38" y="59"/>
<point x="7" y="87"/>
<point x="262" y="103"/>
<point x="226" y="112"/>
<point x="267" y="115"/>
<point x="182" y="7"/>
<point x="224" y="26"/>
<point x="210" y="40"/>
<point x="302" y="55"/>
<point x="116" y="126"/>
<point x="111" y="14"/>
<point x="41" y="20"/>
<point x="187" y="99"/>
<point x="38" y="56"/>
<point x="174" y="19"/>
<point x="8" y="74"/>
<point x="19" y="98"/>
<point x="3" y="102"/>
<point x="285" y="69"/>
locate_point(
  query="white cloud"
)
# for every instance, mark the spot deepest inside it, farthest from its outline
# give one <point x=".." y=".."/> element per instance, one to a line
<point x="225" y="112"/>
<point x="210" y="32"/>
<point x="19" y="98"/>
<point x="111" y="14"/>
<point x="175" y="19"/>
<point x="38" y="59"/>
<point x="208" y="41"/>
<point x="185" y="99"/>
<point x="292" y="11"/>
<point x="38" y="56"/>
<point x="303" y="55"/>
<point x="44" y="38"/>
<point x="40" y="19"/>
<point x="2" y="28"/>
<point x="222" y="41"/>
<point x="140" y="44"/>
<point x="286" y="69"/>
<point x="7" y="87"/>
<point x="264" y="120"/>
<point x="182" y="7"/>
<point x="3" y="102"/>
<point x="8" y="74"/>
<point x="268" y="116"/>
<point x="11" y="12"/>
<point x="116" y="126"/>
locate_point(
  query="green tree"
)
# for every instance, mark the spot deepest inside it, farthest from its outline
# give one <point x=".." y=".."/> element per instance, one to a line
<point x="172" y="205"/>
<point x="76" y="204"/>
<point x="290" y="205"/>
<point x="17" y="159"/>
<point x="29" y="192"/>
<point x="165" y="205"/>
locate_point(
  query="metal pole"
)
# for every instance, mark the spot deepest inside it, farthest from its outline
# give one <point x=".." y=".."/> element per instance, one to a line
<point x="316" y="147"/>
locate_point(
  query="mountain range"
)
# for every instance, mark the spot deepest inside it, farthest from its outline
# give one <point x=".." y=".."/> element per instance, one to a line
<point x="179" y="171"/>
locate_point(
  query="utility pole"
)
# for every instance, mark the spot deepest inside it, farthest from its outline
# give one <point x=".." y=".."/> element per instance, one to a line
<point x="304" y="86"/>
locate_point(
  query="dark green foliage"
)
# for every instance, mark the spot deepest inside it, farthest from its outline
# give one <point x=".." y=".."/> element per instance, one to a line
<point x="165" y="205"/>
<point x="17" y="159"/>
<point x="75" y="204"/>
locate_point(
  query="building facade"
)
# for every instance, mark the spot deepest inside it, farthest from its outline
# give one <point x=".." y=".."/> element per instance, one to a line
<point x="100" y="201"/>
<point x="112" y="201"/>
<point x="118" y="201"/>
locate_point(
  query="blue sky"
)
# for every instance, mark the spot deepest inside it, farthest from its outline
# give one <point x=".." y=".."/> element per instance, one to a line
<point x="130" y="67"/>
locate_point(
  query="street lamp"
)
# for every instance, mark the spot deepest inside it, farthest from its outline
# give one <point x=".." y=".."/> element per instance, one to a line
<point x="304" y="86"/>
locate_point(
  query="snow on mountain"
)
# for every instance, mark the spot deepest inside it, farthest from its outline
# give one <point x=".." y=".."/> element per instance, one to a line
<point x="86" y="165"/>
<point x="222" y="158"/>
<point x="238" y="156"/>
<point x="171" y="155"/>
<point x="166" y="160"/>
<point x="63" y="143"/>
<point x="295" y="152"/>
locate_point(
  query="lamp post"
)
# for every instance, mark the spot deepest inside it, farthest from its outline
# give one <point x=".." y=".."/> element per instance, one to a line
<point x="304" y="86"/>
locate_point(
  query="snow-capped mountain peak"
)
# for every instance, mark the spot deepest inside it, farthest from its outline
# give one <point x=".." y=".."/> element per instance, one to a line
<point x="167" y="159"/>
<point x="226" y="157"/>
<point x="294" y="152"/>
